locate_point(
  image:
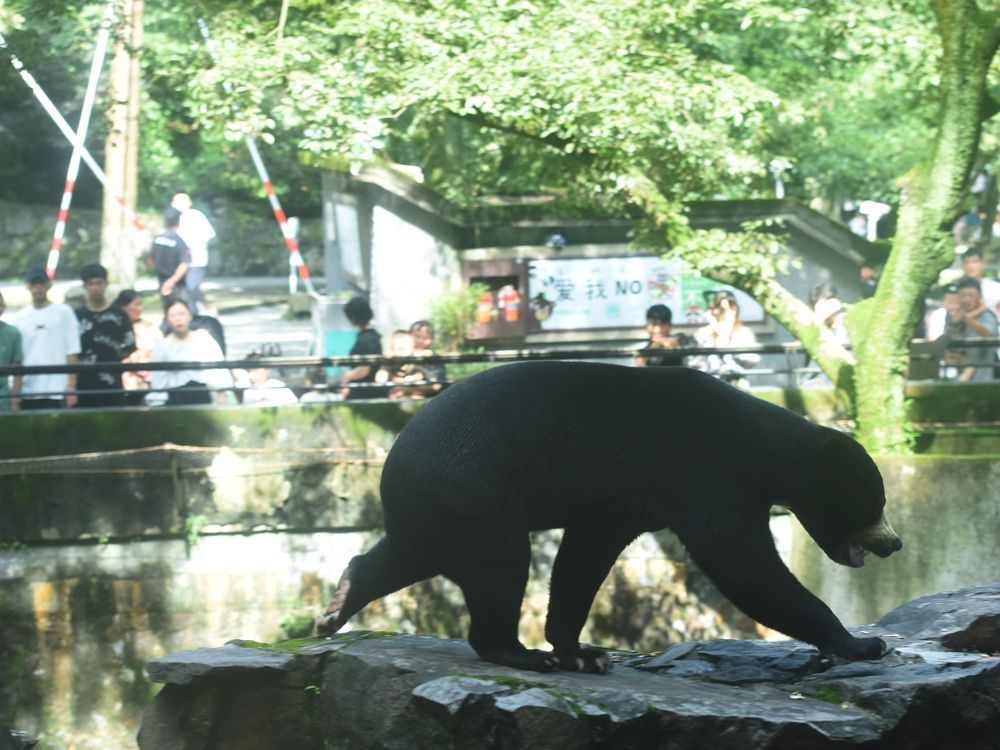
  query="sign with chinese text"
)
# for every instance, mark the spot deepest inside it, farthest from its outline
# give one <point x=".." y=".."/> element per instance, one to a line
<point x="582" y="293"/>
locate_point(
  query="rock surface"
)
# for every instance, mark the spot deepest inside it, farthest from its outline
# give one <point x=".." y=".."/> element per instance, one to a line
<point x="939" y="687"/>
<point x="12" y="739"/>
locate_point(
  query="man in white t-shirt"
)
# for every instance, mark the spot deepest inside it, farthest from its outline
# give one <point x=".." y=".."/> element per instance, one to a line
<point x="196" y="232"/>
<point x="973" y="267"/>
<point x="49" y="336"/>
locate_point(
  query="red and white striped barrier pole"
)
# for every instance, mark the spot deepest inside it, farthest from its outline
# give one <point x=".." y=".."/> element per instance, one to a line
<point x="279" y="214"/>
<point x="81" y="134"/>
<point x="67" y="131"/>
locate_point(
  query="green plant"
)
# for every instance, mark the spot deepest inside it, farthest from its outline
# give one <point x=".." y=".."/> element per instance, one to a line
<point x="452" y="312"/>
<point x="829" y="694"/>
<point x="193" y="525"/>
<point x="297" y="624"/>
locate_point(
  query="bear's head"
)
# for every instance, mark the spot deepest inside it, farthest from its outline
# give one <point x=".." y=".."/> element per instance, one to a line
<point x="843" y="508"/>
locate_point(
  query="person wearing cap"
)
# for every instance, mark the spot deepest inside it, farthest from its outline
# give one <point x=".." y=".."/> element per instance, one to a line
<point x="171" y="259"/>
<point x="971" y="320"/>
<point x="10" y="354"/>
<point x="197" y="232"/>
<point x="106" y="335"/>
<point x="49" y="336"/>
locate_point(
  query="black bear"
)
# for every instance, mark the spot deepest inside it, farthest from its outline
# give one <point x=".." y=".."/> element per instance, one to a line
<point x="607" y="452"/>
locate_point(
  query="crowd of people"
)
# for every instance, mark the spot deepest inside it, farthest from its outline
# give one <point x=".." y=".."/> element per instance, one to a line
<point x="723" y="329"/>
<point x="100" y="330"/>
<point x="968" y="309"/>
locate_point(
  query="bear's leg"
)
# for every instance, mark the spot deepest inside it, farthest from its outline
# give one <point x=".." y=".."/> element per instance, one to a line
<point x="581" y="565"/>
<point x="740" y="558"/>
<point x="493" y="583"/>
<point x="378" y="572"/>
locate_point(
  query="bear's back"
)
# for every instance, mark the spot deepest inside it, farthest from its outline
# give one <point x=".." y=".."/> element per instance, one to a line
<point x="567" y="419"/>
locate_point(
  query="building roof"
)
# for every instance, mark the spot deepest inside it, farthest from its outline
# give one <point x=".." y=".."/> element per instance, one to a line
<point x="529" y="221"/>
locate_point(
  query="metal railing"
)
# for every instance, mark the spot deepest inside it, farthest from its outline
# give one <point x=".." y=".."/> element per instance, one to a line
<point x="929" y="350"/>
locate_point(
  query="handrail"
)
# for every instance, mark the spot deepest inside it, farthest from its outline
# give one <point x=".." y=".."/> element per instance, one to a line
<point x="632" y="351"/>
<point x="501" y="355"/>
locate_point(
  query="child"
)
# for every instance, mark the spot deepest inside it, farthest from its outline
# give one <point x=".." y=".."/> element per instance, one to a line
<point x="263" y="390"/>
<point x="422" y="335"/>
<point x="400" y="345"/>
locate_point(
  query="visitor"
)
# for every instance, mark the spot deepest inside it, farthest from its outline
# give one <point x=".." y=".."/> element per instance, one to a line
<point x="197" y="232"/>
<point x="358" y="381"/>
<point x="400" y="345"/>
<point x="435" y="376"/>
<point x="938" y="323"/>
<point x="182" y="344"/>
<point x="146" y="334"/>
<point x="10" y="354"/>
<point x="661" y="348"/>
<point x="260" y="389"/>
<point x="170" y="258"/>
<point x="49" y="336"/>
<point x="868" y="278"/>
<point x="968" y="230"/>
<point x="828" y="312"/>
<point x="106" y="335"/>
<point x="976" y="321"/>
<point x="974" y="267"/>
<point x="724" y="329"/>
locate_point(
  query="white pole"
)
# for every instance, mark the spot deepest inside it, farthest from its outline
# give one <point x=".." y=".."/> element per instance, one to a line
<point x="295" y="256"/>
<point x="81" y="133"/>
<point x="67" y="131"/>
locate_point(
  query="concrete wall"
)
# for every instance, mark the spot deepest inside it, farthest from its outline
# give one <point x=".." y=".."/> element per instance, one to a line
<point x="946" y="510"/>
<point x="410" y="269"/>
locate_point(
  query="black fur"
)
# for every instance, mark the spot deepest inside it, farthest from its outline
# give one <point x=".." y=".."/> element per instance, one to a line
<point x="606" y="453"/>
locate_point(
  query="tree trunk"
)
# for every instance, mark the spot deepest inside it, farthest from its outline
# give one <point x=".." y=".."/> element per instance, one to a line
<point x="932" y="194"/>
<point x="121" y="148"/>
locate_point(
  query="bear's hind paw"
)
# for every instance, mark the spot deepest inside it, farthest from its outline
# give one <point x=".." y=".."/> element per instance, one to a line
<point x="859" y="649"/>
<point x="586" y="659"/>
<point x="522" y="658"/>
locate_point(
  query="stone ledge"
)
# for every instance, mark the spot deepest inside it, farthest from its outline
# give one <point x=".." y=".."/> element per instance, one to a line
<point x="372" y="690"/>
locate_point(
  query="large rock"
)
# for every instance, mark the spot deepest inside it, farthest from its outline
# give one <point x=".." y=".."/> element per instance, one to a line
<point x="11" y="739"/>
<point x="939" y="687"/>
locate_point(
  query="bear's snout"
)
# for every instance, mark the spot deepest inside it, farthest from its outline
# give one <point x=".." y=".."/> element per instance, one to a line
<point x="880" y="538"/>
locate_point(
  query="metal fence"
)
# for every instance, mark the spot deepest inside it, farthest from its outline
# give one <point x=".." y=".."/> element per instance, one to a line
<point x="926" y="363"/>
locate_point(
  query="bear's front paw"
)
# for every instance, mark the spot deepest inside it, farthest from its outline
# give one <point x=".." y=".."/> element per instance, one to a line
<point x="860" y="649"/>
<point x="585" y="659"/>
<point x="327" y="624"/>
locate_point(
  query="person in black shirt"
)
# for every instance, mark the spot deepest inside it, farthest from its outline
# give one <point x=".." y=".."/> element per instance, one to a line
<point x="359" y="314"/>
<point x="106" y="335"/>
<point x="171" y="259"/>
<point x="659" y="320"/>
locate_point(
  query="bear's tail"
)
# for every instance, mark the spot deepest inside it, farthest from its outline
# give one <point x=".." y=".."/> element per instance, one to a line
<point x="368" y="577"/>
